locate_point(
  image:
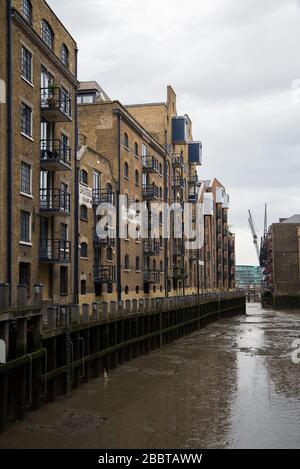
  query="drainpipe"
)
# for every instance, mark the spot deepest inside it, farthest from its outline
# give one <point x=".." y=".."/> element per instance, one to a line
<point x="119" y="274"/>
<point x="76" y="197"/>
<point x="166" y="239"/>
<point x="9" y="149"/>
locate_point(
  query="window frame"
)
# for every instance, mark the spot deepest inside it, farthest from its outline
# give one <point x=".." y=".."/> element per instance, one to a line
<point x="26" y="11"/>
<point x="23" y="192"/>
<point x="86" y="216"/>
<point x="65" y="55"/>
<point x="47" y="34"/>
<point x="24" y="107"/>
<point x="25" y="66"/>
<point x="85" y="245"/>
<point x="28" y="239"/>
<point x="64" y="283"/>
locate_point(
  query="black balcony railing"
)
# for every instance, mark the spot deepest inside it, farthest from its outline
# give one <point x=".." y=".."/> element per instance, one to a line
<point x="178" y="183"/>
<point x="56" y="104"/>
<point x="179" y="274"/>
<point x="150" y="164"/>
<point x="151" y="276"/>
<point x="104" y="273"/>
<point x="55" y="201"/>
<point x="102" y="196"/>
<point x="108" y="240"/>
<point x="55" y="251"/>
<point x="55" y="154"/>
<point x="193" y="179"/>
<point x="150" y="192"/>
<point x="151" y="247"/>
<point x="179" y="247"/>
<point x="177" y="161"/>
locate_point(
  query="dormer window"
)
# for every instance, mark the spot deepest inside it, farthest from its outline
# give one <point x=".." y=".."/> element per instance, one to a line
<point x="27" y="11"/>
<point x="47" y="34"/>
<point x="64" y="55"/>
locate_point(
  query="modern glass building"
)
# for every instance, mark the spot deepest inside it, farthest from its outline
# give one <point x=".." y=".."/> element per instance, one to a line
<point x="248" y="276"/>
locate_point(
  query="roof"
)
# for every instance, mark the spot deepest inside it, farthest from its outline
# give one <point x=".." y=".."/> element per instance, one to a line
<point x="93" y="86"/>
<point x="293" y="219"/>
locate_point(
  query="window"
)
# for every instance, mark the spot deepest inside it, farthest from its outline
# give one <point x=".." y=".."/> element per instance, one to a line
<point x="47" y="34"/>
<point x="109" y="254"/>
<point x="154" y="264"/>
<point x="160" y="193"/>
<point x="126" y="231"/>
<point x="84" y="177"/>
<point x="27" y="11"/>
<point x="137" y="289"/>
<point x="84" y="250"/>
<point x="160" y="218"/>
<point x="84" y="212"/>
<point x="137" y="264"/>
<point x="64" y="55"/>
<point x="24" y="275"/>
<point x="126" y="141"/>
<point x="161" y="288"/>
<point x="136" y="149"/>
<point x="26" y="64"/>
<point x="83" y="287"/>
<point x="161" y="266"/>
<point x="25" y="178"/>
<point x="96" y="180"/>
<point x="126" y="290"/>
<point x="26" y="120"/>
<point x="136" y="177"/>
<point x="63" y="234"/>
<point x="154" y="289"/>
<point x="160" y="168"/>
<point x="86" y="98"/>
<point x="161" y="242"/>
<point x="109" y="288"/>
<point x="25" y="227"/>
<point x="126" y="170"/>
<point x="126" y="262"/>
<point x="63" y="281"/>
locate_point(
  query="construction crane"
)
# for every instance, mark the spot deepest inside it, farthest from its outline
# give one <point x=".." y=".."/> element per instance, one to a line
<point x="254" y="235"/>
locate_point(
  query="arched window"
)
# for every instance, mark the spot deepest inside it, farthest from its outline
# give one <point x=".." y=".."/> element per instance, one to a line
<point x="47" y="34"/>
<point x="160" y="168"/>
<point x="84" y="212"/>
<point x="126" y="290"/>
<point x="84" y="179"/>
<point x="136" y="177"/>
<point x="126" y="141"/>
<point x="161" y="266"/>
<point x="160" y="218"/>
<point x="136" y="149"/>
<point x="84" y="250"/>
<point x="83" y="287"/>
<point x="154" y="289"/>
<point x="64" y="55"/>
<point x="137" y="289"/>
<point x="109" y="254"/>
<point x="161" y="288"/>
<point x="137" y="263"/>
<point x="127" y="262"/>
<point x="126" y="170"/>
<point x="27" y="11"/>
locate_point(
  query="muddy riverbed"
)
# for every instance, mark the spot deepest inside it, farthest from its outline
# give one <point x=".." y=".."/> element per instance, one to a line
<point x="230" y="385"/>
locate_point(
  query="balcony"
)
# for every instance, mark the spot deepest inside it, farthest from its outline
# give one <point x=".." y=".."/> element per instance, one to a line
<point x="178" y="183"/>
<point x="193" y="196"/>
<point x="193" y="255"/>
<point x="104" y="273"/>
<point x="151" y="247"/>
<point x="179" y="130"/>
<point x="101" y="196"/>
<point x="55" y="155"/>
<point x="151" y="276"/>
<point x="55" y="251"/>
<point x="179" y="248"/>
<point x="108" y="240"/>
<point x="195" y="153"/>
<point x="56" y="104"/>
<point x="150" y="192"/>
<point x="179" y="274"/>
<point x="193" y="179"/>
<point x="54" y="202"/>
<point x="177" y="161"/>
<point x="150" y="164"/>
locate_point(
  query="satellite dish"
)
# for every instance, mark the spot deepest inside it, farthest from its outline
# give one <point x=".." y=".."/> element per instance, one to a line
<point x="2" y="352"/>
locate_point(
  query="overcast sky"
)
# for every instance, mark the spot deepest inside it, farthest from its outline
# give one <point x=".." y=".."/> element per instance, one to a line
<point x="235" y="67"/>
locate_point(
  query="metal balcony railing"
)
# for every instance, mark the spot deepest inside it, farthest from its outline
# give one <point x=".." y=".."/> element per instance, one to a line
<point x="104" y="273"/>
<point x="177" y="161"/>
<point x="102" y="196"/>
<point x="178" y="183"/>
<point x="56" y="104"/>
<point x="55" y="251"/>
<point x="151" y="276"/>
<point x="55" y="201"/>
<point x="151" y="247"/>
<point x="108" y="240"/>
<point x="55" y="155"/>
<point x="179" y="274"/>
<point x="150" y="192"/>
<point x="150" y="164"/>
<point x="193" y="179"/>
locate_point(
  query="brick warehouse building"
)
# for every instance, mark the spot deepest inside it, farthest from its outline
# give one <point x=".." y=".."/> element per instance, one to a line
<point x="48" y="196"/>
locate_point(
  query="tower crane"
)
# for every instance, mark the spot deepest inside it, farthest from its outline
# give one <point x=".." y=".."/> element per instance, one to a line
<point x="254" y="235"/>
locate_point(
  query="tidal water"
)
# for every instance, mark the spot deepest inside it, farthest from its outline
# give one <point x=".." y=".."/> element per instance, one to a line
<point x="232" y="384"/>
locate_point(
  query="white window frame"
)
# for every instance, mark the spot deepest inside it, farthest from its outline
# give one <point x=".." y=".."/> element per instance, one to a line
<point x="30" y="137"/>
<point x="30" y="187"/>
